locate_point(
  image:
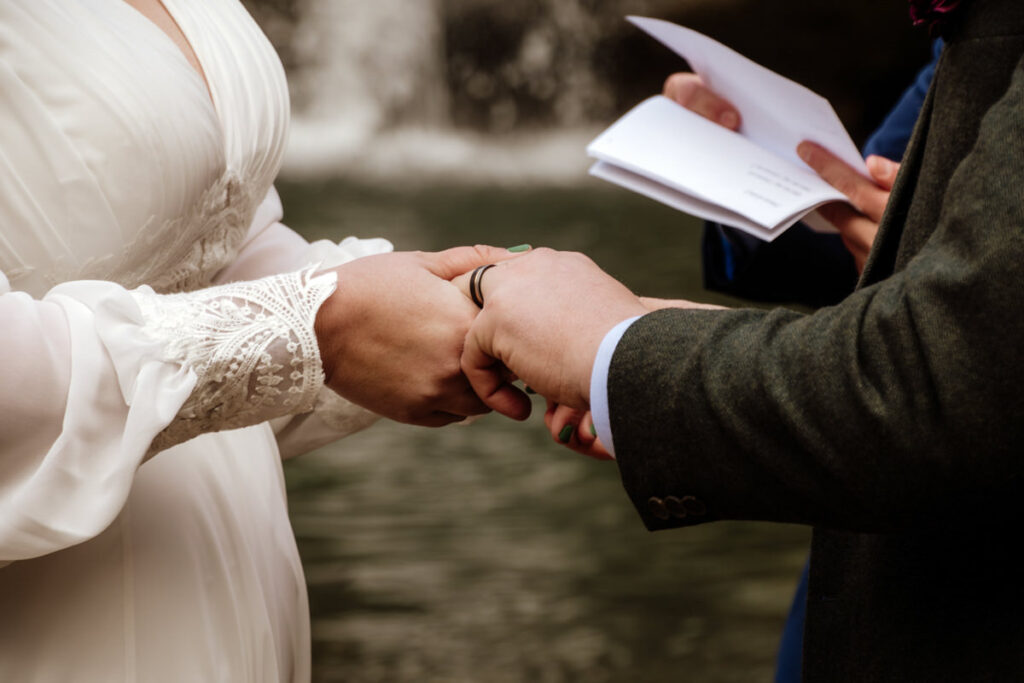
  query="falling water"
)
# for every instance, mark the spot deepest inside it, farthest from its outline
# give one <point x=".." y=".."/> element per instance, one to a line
<point x="401" y="91"/>
<point x="442" y="90"/>
<point x="367" y="68"/>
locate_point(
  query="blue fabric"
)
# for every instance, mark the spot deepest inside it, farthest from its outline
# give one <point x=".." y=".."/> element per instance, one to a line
<point x="890" y="141"/>
<point x="728" y="258"/>
<point x="788" y="667"/>
<point x="800" y="266"/>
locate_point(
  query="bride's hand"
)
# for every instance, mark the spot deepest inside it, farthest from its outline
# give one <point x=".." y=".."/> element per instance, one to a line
<point x="392" y="334"/>
<point x="575" y="430"/>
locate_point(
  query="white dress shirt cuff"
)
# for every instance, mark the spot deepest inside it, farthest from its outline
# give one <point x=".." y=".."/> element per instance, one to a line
<point x="599" y="383"/>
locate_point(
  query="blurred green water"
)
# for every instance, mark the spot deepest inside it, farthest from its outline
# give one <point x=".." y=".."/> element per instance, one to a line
<point x="486" y="553"/>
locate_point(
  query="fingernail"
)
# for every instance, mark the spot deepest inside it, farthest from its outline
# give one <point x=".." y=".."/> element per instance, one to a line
<point x="566" y="433"/>
<point x="530" y="391"/>
<point x="519" y="249"/>
<point x="803" y="150"/>
<point x="729" y="119"/>
<point x="593" y="429"/>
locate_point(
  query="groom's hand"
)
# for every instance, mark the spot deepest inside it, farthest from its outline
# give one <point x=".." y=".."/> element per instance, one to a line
<point x="545" y="314"/>
<point x="392" y="334"/>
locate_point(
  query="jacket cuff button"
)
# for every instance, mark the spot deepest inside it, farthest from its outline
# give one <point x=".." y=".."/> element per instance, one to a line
<point x="675" y="507"/>
<point x="656" y="506"/>
<point x="694" y="506"/>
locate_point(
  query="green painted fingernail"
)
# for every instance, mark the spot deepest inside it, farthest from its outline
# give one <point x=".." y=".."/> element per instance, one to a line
<point x="530" y="391"/>
<point x="520" y="248"/>
<point x="593" y="429"/>
<point x="566" y="433"/>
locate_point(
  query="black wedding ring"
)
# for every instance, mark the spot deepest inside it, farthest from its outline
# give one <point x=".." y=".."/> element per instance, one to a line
<point x="476" y="280"/>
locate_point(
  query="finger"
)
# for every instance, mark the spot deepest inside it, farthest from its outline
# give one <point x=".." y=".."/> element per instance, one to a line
<point x="465" y="404"/>
<point x="585" y="441"/>
<point x="564" y="424"/>
<point x="883" y="170"/>
<point x="575" y="430"/>
<point x="451" y="263"/>
<point x="590" y="445"/>
<point x="465" y="281"/>
<point x="587" y="432"/>
<point x="484" y="375"/>
<point x="864" y="194"/>
<point x="549" y="412"/>
<point x="690" y="91"/>
<point x="854" y="226"/>
<point x="438" y="419"/>
<point x="857" y="231"/>
<point x="597" y="451"/>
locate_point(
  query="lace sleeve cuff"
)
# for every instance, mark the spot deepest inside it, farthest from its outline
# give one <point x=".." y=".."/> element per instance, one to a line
<point x="251" y="346"/>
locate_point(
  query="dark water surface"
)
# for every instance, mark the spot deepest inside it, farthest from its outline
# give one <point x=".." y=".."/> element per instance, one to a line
<point x="486" y="553"/>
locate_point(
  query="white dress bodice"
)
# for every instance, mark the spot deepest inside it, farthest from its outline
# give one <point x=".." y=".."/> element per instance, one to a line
<point x="132" y="173"/>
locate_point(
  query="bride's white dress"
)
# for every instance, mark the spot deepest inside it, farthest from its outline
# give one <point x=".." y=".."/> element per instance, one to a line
<point x="129" y="200"/>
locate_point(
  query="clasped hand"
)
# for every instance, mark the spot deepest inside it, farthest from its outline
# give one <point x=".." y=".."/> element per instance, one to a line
<point x="401" y="337"/>
<point x="545" y="315"/>
<point x="392" y="334"/>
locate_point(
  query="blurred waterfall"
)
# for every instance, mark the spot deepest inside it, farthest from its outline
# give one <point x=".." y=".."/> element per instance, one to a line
<point x="373" y="91"/>
<point x="368" y="66"/>
<point x="511" y="91"/>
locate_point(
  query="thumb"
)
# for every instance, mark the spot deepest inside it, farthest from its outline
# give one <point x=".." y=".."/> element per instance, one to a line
<point x="451" y="263"/>
<point x="883" y="171"/>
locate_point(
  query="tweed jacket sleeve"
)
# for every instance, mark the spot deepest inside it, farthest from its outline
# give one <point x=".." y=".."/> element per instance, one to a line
<point x="902" y="406"/>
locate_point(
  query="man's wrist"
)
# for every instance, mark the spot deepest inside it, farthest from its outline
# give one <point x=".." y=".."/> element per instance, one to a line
<point x="599" y="383"/>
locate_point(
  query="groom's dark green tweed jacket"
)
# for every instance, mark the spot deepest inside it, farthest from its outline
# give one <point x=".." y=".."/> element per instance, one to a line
<point x="894" y="422"/>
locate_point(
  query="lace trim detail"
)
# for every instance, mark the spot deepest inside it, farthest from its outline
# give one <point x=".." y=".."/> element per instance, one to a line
<point x="222" y="223"/>
<point x="251" y="345"/>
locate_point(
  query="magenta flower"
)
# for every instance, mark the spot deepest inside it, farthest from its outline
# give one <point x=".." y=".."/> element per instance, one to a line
<point x="931" y="13"/>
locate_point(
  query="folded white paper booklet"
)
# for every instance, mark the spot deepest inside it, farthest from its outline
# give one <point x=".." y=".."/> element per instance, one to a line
<point x="751" y="179"/>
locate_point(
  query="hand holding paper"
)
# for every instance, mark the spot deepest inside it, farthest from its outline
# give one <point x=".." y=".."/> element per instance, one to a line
<point x="752" y="179"/>
<point x="856" y="221"/>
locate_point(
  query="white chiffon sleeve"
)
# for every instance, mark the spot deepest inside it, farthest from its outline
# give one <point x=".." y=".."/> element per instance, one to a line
<point x="272" y="247"/>
<point x="99" y="377"/>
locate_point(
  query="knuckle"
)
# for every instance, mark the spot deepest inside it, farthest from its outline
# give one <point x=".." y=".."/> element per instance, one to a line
<point x="837" y="179"/>
<point x="851" y="189"/>
<point x="580" y="258"/>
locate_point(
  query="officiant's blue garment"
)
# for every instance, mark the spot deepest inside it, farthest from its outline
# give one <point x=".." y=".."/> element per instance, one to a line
<point x="810" y="268"/>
